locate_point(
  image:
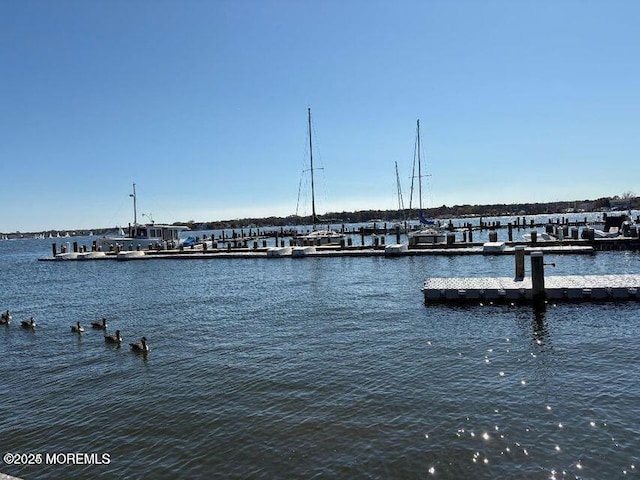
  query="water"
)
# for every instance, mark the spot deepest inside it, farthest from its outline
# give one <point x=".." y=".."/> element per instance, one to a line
<point x="313" y="368"/>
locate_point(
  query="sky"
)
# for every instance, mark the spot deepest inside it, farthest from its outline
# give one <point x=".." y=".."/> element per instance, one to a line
<point x="203" y="105"/>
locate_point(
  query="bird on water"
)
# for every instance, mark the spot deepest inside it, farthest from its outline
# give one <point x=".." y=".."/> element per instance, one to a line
<point x="100" y="324"/>
<point x="5" y="318"/>
<point x="140" y="347"/>
<point x="77" y="328"/>
<point x="29" y="324"/>
<point x="115" y="338"/>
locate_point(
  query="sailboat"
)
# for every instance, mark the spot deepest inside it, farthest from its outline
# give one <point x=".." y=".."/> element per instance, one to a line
<point x="429" y="233"/>
<point x="316" y="236"/>
<point x="142" y="236"/>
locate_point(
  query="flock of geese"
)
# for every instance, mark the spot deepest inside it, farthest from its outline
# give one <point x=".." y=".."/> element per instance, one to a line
<point x="116" y="339"/>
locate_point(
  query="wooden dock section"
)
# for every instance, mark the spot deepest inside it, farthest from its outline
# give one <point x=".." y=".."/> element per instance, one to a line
<point x="576" y="288"/>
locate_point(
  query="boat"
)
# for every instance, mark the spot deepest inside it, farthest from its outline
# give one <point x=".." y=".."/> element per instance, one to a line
<point x="430" y="232"/>
<point x="612" y="226"/>
<point x="194" y="243"/>
<point x="142" y="236"/>
<point x="316" y="236"/>
<point x="399" y="226"/>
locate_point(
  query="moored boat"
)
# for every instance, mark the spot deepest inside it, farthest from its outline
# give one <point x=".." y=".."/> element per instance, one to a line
<point x="430" y="232"/>
<point x="142" y="236"/>
<point x="316" y="236"/>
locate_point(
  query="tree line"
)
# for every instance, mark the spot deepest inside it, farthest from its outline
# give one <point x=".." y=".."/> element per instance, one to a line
<point x="442" y="212"/>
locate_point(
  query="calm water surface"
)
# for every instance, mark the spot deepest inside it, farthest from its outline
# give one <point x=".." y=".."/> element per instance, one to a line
<point x="313" y="368"/>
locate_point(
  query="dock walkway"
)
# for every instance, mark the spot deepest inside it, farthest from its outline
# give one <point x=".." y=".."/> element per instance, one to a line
<point x="322" y="252"/>
<point x="510" y="290"/>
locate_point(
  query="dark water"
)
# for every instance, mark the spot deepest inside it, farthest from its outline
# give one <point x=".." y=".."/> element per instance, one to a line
<point x="312" y="368"/>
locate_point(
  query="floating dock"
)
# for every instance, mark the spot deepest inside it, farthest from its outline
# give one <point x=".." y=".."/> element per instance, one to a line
<point x="577" y="288"/>
<point x="392" y="250"/>
<point x="534" y="290"/>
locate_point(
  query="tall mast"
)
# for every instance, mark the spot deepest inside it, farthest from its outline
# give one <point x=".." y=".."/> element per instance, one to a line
<point x="419" y="167"/>
<point x="135" y="213"/>
<point x="400" y="201"/>
<point x="313" y="196"/>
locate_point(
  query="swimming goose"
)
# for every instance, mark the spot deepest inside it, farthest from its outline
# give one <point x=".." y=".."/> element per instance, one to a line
<point x="5" y="318"/>
<point x="100" y="324"/>
<point x="28" y="323"/>
<point x="113" y="338"/>
<point x="140" y="347"/>
<point x="77" y="328"/>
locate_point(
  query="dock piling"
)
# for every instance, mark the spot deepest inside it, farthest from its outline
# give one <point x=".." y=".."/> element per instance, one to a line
<point x="519" y="256"/>
<point x="537" y="276"/>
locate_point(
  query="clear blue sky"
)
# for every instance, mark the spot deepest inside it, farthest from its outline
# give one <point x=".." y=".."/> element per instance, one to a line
<point x="203" y="104"/>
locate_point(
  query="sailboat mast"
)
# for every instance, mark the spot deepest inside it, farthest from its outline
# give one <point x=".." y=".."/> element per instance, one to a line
<point x="419" y="167"/>
<point x="313" y="196"/>
<point x="135" y="213"/>
<point x="400" y="200"/>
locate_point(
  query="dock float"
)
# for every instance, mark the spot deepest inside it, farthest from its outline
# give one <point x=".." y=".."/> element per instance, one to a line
<point x="534" y="290"/>
<point x="576" y="288"/>
<point x="393" y="250"/>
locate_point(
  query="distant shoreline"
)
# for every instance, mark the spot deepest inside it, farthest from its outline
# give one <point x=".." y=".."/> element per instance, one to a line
<point x="605" y="204"/>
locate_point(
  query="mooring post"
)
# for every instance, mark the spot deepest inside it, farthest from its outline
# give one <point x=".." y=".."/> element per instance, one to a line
<point x="397" y="233"/>
<point x="537" y="276"/>
<point x="519" y="262"/>
<point x="53" y="249"/>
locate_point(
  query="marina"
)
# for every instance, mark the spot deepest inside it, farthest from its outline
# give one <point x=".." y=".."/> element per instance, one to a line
<point x="170" y="309"/>
<point x="337" y="352"/>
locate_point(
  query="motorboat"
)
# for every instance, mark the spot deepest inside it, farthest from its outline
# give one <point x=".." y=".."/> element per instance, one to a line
<point x="142" y="236"/>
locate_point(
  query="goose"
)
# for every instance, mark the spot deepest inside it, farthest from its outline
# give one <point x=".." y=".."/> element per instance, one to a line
<point x="113" y="338"/>
<point x="140" y="347"/>
<point x="5" y="318"/>
<point x="100" y="324"/>
<point x="77" y="328"/>
<point x="28" y="323"/>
